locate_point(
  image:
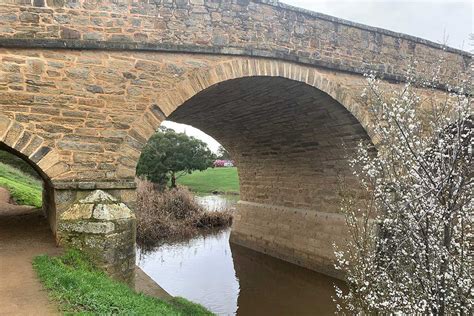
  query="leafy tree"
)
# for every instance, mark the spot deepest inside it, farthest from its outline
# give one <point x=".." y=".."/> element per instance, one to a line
<point x="223" y="154"/>
<point x="169" y="155"/>
<point x="410" y="245"/>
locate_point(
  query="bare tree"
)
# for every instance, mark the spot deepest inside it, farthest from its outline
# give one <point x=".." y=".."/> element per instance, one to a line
<point x="410" y="246"/>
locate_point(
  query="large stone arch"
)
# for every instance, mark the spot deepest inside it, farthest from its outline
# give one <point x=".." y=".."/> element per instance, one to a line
<point x="289" y="128"/>
<point x="340" y="88"/>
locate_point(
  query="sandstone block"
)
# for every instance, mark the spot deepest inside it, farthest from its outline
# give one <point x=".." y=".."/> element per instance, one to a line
<point x="78" y="212"/>
<point x="29" y="17"/>
<point x="89" y="227"/>
<point x="68" y="33"/>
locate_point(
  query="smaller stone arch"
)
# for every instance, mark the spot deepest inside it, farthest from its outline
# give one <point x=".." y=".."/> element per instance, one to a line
<point x="15" y="138"/>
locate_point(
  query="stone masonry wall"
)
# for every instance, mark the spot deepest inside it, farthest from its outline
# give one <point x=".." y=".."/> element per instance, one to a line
<point x="83" y="116"/>
<point x="75" y="109"/>
<point x="304" y="237"/>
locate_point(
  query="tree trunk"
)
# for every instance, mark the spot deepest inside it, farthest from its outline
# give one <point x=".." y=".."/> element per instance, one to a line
<point x="173" y="180"/>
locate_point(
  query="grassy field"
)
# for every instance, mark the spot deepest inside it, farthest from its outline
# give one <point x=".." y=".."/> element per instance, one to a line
<point x="80" y="288"/>
<point x="15" y="161"/>
<point x="224" y="180"/>
<point x="25" y="189"/>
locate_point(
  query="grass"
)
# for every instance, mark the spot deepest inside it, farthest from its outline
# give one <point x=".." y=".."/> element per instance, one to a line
<point x="25" y="189"/>
<point x="79" y="287"/>
<point x="222" y="180"/>
<point x="18" y="163"/>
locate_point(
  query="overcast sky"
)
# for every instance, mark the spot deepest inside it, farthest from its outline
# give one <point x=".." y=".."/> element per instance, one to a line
<point x="429" y="19"/>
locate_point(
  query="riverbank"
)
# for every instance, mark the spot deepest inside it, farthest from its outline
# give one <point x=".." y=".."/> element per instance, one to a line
<point x="78" y="287"/>
<point x="212" y="180"/>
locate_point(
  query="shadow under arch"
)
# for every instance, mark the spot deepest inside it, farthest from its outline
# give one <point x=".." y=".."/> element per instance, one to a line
<point x="275" y="121"/>
<point x="200" y="80"/>
<point x="48" y="203"/>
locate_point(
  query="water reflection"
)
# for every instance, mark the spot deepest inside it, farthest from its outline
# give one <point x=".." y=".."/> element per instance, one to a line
<point x="269" y="286"/>
<point x="230" y="279"/>
<point x="201" y="270"/>
<point x="218" y="202"/>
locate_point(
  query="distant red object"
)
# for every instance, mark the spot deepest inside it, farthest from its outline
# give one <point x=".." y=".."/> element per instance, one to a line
<point x="223" y="163"/>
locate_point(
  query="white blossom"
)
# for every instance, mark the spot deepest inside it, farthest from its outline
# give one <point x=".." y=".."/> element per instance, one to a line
<point x="410" y="225"/>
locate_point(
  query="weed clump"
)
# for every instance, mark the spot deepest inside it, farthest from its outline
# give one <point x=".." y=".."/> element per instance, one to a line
<point x="172" y="214"/>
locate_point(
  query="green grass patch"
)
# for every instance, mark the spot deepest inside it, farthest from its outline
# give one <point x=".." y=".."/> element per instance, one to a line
<point x="25" y="189"/>
<point x="79" y="287"/>
<point x="213" y="179"/>
<point x="15" y="161"/>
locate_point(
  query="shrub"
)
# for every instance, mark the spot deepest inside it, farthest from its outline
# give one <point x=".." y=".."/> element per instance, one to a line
<point x="172" y="214"/>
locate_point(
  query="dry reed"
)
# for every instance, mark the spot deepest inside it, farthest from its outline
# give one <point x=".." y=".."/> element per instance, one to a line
<point x="172" y="214"/>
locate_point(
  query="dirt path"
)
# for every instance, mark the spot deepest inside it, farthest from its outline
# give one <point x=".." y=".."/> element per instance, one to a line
<point x="24" y="234"/>
<point x="4" y="195"/>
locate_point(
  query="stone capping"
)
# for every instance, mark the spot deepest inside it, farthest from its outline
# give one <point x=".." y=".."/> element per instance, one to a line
<point x="330" y="18"/>
<point x="175" y="48"/>
<point x="72" y="185"/>
<point x="98" y="206"/>
<point x="291" y="209"/>
<point x="104" y="229"/>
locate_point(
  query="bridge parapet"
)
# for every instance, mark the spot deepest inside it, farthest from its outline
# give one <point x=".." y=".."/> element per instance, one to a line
<point x="263" y="28"/>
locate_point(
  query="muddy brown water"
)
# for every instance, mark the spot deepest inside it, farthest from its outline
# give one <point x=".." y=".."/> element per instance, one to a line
<point x="232" y="280"/>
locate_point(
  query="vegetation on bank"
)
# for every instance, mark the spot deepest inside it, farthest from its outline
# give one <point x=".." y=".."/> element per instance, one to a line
<point x="24" y="188"/>
<point x="221" y="180"/>
<point x="79" y="287"/>
<point x="15" y="161"/>
<point x="172" y="214"/>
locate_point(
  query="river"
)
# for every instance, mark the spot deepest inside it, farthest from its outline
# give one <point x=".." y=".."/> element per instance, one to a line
<point x="232" y="280"/>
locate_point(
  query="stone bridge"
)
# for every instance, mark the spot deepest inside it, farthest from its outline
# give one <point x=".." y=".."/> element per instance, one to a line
<point x="84" y="84"/>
